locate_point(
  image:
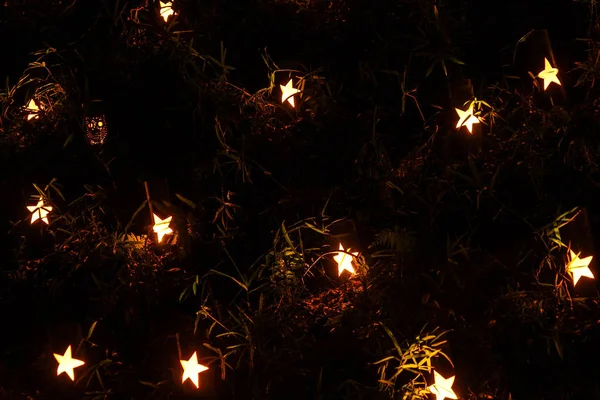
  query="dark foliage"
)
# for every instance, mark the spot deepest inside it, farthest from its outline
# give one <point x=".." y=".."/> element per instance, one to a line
<point x="462" y="243"/>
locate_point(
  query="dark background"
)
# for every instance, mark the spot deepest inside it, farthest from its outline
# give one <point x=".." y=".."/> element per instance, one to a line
<point x="160" y="107"/>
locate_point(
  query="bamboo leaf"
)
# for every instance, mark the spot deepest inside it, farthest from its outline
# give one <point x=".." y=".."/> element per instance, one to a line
<point x="230" y="277"/>
<point x="186" y="201"/>
<point x="91" y="330"/>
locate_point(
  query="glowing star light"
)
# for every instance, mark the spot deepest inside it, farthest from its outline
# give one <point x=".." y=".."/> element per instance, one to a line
<point x="40" y="211"/>
<point x="579" y="267"/>
<point x="466" y="118"/>
<point x="161" y="227"/>
<point x="442" y="388"/>
<point x="166" y="10"/>
<point x="287" y="93"/>
<point x="66" y="363"/>
<point x="344" y="261"/>
<point x="549" y="74"/>
<point x="33" y="108"/>
<point x="191" y="369"/>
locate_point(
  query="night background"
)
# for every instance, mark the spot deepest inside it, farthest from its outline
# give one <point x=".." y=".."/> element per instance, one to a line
<point x="461" y="242"/>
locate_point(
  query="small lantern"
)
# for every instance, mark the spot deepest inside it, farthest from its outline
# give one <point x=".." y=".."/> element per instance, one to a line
<point x="95" y="129"/>
<point x="467" y="137"/>
<point x="288" y="92"/>
<point x="94" y="123"/>
<point x="580" y="261"/>
<point x="40" y="211"/>
<point x="548" y="74"/>
<point x="466" y="117"/>
<point x="33" y="110"/>
<point x="161" y="227"/>
<point x="157" y="195"/>
<point x="344" y="260"/>
<point x="535" y="63"/>
<point x="166" y="10"/>
<point x="579" y="267"/>
<point x="66" y="363"/>
<point x="191" y="369"/>
<point x="442" y="387"/>
<point x="343" y="236"/>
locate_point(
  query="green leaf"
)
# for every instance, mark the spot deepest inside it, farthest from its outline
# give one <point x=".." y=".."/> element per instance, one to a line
<point x="314" y="228"/>
<point x="558" y="347"/>
<point x="230" y="277"/>
<point x="152" y="385"/>
<point x="186" y="201"/>
<point x="69" y="140"/>
<point x="91" y="330"/>
<point x="183" y="294"/>
<point x="393" y="338"/>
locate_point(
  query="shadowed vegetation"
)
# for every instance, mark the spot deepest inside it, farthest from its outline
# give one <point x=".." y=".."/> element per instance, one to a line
<point x="462" y="247"/>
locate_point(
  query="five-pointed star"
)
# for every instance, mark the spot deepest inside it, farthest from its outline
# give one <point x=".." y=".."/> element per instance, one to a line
<point x="466" y="118"/>
<point x="442" y="388"/>
<point x="166" y="10"/>
<point x="579" y="267"/>
<point x="287" y="92"/>
<point x="161" y="227"/>
<point x="191" y="369"/>
<point x="31" y="106"/>
<point x="66" y="363"/>
<point x="549" y="74"/>
<point x="344" y="261"/>
<point x="40" y="211"/>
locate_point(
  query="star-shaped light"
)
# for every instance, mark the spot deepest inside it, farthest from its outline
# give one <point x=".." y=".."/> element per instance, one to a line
<point x="549" y="74"/>
<point x="191" y="369"/>
<point x="31" y="106"/>
<point x="579" y="267"/>
<point x="442" y="388"/>
<point x="288" y="91"/>
<point x="161" y="227"/>
<point x="466" y="118"/>
<point x="166" y="10"/>
<point x="40" y="211"/>
<point x="344" y="261"/>
<point x="66" y="363"/>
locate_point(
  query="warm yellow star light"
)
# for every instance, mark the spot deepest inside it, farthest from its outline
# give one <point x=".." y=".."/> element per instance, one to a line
<point x="466" y="118"/>
<point x="344" y="261"/>
<point x="579" y="267"/>
<point x="166" y="10"/>
<point x="288" y="91"/>
<point x="161" y="227"/>
<point x="31" y="106"/>
<point x="40" y="211"/>
<point x="191" y="369"/>
<point x="66" y="363"/>
<point x="442" y="388"/>
<point x="549" y="74"/>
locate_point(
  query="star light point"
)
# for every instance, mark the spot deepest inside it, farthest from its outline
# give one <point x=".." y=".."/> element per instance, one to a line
<point x="466" y="118"/>
<point x="66" y="363"/>
<point x="40" y="211"/>
<point x="161" y="227"/>
<point x="579" y="267"/>
<point x="344" y="261"/>
<point x="549" y="74"/>
<point x="191" y="369"/>
<point x="442" y="388"/>
<point x="33" y="109"/>
<point x="166" y="10"/>
<point x="287" y="92"/>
